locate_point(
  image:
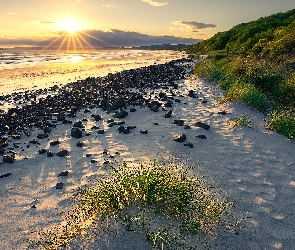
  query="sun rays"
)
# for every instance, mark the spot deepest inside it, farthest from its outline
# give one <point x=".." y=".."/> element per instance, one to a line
<point x="71" y="36"/>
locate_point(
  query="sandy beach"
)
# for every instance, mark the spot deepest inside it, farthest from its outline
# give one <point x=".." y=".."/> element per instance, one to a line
<point x="254" y="167"/>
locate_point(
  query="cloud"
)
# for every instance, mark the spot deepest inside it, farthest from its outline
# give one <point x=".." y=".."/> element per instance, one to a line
<point x="100" y="38"/>
<point x="112" y="5"/>
<point x="43" y="21"/>
<point x="11" y="13"/>
<point x="155" y="4"/>
<point x="194" y="26"/>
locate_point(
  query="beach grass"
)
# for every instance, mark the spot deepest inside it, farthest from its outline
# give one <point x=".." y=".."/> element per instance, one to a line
<point x="163" y="201"/>
<point x="268" y="86"/>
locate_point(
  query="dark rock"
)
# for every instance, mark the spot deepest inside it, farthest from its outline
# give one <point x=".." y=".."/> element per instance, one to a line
<point x="59" y="185"/>
<point x="34" y="141"/>
<point x="187" y="127"/>
<point x="222" y="113"/>
<point x="47" y="129"/>
<point x="192" y="94"/>
<point x="131" y="127"/>
<point x="179" y="122"/>
<point x="156" y="123"/>
<point x="49" y="154"/>
<point x="76" y="133"/>
<point x="100" y="131"/>
<point x="201" y="137"/>
<point x="78" y="124"/>
<point x="5" y="175"/>
<point x="88" y="155"/>
<point x="67" y="121"/>
<point x="202" y="125"/>
<point x="79" y="144"/>
<point x="8" y="159"/>
<point x="120" y="114"/>
<point x="168" y="114"/>
<point x="189" y="145"/>
<point x="168" y="105"/>
<point x="54" y="143"/>
<point x="62" y="153"/>
<point x="42" y="151"/>
<point x="97" y="118"/>
<point x="132" y="110"/>
<point x="124" y="130"/>
<point x="64" y="173"/>
<point x="180" y="138"/>
<point x="144" y="132"/>
<point x="119" y="103"/>
<point x="42" y="136"/>
<point x="93" y="161"/>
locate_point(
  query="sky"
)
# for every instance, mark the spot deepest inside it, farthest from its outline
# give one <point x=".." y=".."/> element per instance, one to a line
<point x="104" y="23"/>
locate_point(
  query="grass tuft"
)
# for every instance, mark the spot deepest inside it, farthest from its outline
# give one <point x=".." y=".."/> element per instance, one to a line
<point x="163" y="201"/>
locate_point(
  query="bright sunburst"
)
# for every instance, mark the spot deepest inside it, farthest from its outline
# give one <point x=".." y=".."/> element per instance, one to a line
<point x="70" y="25"/>
<point x="72" y="36"/>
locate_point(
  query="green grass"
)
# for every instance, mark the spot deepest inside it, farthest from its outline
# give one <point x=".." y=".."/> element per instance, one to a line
<point x="259" y="83"/>
<point x="242" y="121"/>
<point x="163" y="201"/>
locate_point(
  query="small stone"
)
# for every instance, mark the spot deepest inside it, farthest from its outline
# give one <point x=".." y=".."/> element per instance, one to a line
<point x="49" y="154"/>
<point x="144" y="132"/>
<point x="179" y="122"/>
<point x="8" y="159"/>
<point x="5" y="175"/>
<point x="59" y="185"/>
<point x="54" y="143"/>
<point x="63" y="153"/>
<point x="100" y="131"/>
<point x="180" y="138"/>
<point x="201" y="137"/>
<point x="42" y="151"/>
<point x="168" y="114"/>
<point x="202" y="125"/>
<point x="88" y="155"/>
<point x="93" y="161"/>
<point x="64" y="173"/>
<point x="42" y="136"/>
<point x="132" y="110"/>
<point x="222" y="113"/>
<point x="189" y="145"/>
<point x="76" y="133"/>
<point x="187" y="127"/>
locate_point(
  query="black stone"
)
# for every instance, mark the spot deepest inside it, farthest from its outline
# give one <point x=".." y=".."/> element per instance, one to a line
<point x="64" y="173"/>
<point x="42" y="151"/>
<point x="78" y="124"/>
<point x="63" y="153"/>
<point x="54" y="143"/>
<point x="168" y="114"/>
<point x="76" y="133"/>
<point x="201" y="137"/>
<point x="5" y="175"/>
<point x="144" y="132"/>
<point x="124" y="130"/>
<point x="59" y="185"/>
<point x="8" y="159"/>
<point x="180" y="138"/>
<point x="189" y="145"/>
<point x="202" y="125"/>
<point x="79" y="144"/>
<point x="49" y="154"/>
<point x="120" y="114"/>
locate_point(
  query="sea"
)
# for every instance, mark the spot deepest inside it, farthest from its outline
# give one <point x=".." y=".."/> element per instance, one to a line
<point x="23" y="69"/>
<point x="20" y="58"/>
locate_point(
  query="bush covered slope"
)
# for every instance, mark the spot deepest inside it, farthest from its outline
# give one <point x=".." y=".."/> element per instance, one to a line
<point x="268" y="36"/>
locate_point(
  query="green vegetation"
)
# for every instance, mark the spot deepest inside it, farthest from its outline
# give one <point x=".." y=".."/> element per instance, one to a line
<point x="243" y="121"/>
<point x="163" y="201"/>
<point x="254" y="63"/>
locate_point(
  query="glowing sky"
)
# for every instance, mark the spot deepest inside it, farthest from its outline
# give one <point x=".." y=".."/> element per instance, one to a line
<point x="128" y="22"/>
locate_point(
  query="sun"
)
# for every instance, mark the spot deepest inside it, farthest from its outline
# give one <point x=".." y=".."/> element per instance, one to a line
<point x="70" y="25"/>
